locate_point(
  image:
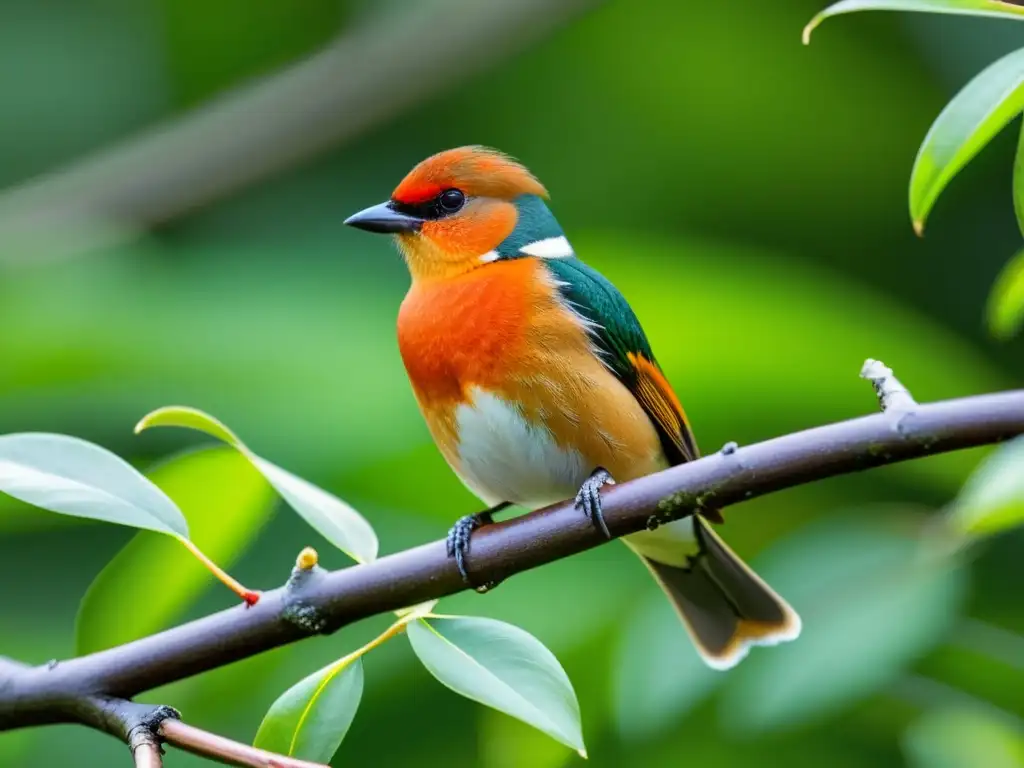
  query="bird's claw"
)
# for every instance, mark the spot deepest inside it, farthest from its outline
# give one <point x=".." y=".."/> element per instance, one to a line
<point x="588" y="499"/>
<point x="458" y="544"/>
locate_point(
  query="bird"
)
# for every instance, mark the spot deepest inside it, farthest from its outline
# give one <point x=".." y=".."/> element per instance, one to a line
<point x="538" y="384"/>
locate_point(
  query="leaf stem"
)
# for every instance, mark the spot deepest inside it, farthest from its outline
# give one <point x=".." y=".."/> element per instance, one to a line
<point x="249" y="596"/>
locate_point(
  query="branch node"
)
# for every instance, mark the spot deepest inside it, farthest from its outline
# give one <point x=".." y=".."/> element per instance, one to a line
<point x="144" y="727"/>
<point x="892" y="395"/>
<point x="296" y="610"/>
<point x="305" y="617"/>
<point x="307" y="559"/>
<point x="730" y="448"/>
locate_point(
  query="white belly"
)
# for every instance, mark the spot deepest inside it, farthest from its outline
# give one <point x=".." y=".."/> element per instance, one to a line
<point x="502" y="457"/>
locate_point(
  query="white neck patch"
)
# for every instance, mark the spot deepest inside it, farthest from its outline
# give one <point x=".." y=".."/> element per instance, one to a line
<point x="549" y="248"/>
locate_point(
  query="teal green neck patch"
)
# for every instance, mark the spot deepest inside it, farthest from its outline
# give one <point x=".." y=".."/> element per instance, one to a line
<point x="535" y="223"/>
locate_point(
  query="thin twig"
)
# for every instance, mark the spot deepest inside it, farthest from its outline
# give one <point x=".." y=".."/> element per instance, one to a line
<point x="321" y="602"/>
<point x="371" y="74"/>
<point x="148" y="756"/>
<point x="892" y="395"/>
<point x="223" y="750"/>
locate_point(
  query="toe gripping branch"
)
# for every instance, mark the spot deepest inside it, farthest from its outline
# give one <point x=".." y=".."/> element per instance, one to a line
<point x="588" y="500"/>
<point x="458" y="541"/>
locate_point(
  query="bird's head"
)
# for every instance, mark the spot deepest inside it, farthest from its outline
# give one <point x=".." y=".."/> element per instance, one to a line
<point x="464" y="208"/>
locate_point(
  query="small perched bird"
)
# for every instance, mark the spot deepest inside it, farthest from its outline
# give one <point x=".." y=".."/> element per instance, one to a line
<point x="538" y="384"/>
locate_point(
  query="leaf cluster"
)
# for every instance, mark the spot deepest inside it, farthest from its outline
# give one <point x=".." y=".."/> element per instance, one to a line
<point x="975" y="115"/>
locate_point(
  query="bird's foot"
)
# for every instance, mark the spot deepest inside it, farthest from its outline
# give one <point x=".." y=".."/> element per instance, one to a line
<point x="588" y="499"/>
<point x="458" y="542"/>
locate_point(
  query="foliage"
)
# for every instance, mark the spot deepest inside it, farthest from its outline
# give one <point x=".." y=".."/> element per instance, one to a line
<point x="505" y="667"/>
<point x="970" y="120"/>
<point x="489" y="661"/>
<point x="227" y="504"/>
<point x="744" y="201"/>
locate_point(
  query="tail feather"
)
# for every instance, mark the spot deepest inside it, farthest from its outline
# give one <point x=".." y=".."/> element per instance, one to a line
<point x="725" y="606"/>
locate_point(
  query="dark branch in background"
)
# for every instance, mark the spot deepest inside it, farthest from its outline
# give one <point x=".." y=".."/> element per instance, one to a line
<point x="374" y="72"/>
<point x="314" y="601"/>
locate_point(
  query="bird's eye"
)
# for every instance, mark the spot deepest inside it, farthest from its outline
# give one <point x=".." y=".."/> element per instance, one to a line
<point x="451" y="200"/>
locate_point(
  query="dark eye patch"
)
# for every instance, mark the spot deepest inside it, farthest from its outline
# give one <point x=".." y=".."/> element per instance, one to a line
<point x="448" y="202"/>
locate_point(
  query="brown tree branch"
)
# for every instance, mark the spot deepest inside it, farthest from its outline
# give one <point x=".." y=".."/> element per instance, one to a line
<point x="148" y="756"/>
<point x="223" y="750"/>
<point x="389" y="63"/>
<point x="92" y="689"/>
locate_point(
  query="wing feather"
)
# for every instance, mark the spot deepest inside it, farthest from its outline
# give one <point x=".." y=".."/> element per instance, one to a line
<point x="620" y="342"/>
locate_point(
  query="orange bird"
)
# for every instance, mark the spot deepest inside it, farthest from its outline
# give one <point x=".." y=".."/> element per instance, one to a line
<point x="538" y="383"/>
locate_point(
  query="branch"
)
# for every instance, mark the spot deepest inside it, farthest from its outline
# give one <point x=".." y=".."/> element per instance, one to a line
<point x="386" y="65"/>
<point x="316" y="601"/>
<point x="892" y="395"/>
<point x="148" y="756"/>
<point x="143" y="727"/>
<point x="223" y="750"/>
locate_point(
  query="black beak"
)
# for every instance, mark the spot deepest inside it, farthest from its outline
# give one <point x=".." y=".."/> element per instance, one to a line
<point x="383" y="218"/>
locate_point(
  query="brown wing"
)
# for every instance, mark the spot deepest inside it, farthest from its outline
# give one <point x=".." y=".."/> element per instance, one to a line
<point x="655" y="394"/>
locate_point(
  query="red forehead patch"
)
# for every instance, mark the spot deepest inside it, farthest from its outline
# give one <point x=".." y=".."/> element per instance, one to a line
<point x="475" y="170"/>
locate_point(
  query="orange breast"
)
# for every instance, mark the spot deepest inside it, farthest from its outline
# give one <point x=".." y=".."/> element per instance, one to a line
<point x="466" y="330"/>
<point x="503" y="330"/>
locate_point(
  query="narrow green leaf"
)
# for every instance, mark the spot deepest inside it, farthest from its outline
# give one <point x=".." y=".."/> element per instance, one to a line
<point x="75" y="477"/>
<point x="336" y="521"/>
<point x="503" y="667"/>
<point x="968" y="122"/>
<point x="153" y="579"/>
<point x="658" y="674"/>
<point x="1018" y="181"/>
<point x="1006" y="301"/>
<point x="872" y="602"/>
<point x="992" y="499"/>
<point x="310" y="719"/>
<point x="962" y="7"/>
<point x="963" y="736"/>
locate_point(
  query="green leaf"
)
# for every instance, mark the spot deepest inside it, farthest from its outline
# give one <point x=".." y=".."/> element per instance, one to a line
<point x="226" y="501"/>
<point x="992" y="499"/>
<point x="963" y="736"/>
<point x="310" y="719"/>
<point x="659" y="676"/>
<point x="334" y="519"/>
<point x="968" y="122"/>
<point x="1006" y="301"/>
<point x="1018" y="181"/>
<point x="75" y="477"/>
<point x="962" y="7"/>
<point x="872" y="602"/>
<point x="503" y="667"/>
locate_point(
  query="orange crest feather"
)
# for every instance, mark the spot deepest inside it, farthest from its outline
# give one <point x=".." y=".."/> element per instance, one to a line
<point x="477" y="171"/>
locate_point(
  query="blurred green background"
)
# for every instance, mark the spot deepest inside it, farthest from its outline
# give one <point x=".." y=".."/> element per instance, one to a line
<point x="747" y="194"/>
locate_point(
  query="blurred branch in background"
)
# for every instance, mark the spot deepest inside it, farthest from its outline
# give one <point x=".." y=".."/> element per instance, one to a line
<point x="380" y="68"/>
